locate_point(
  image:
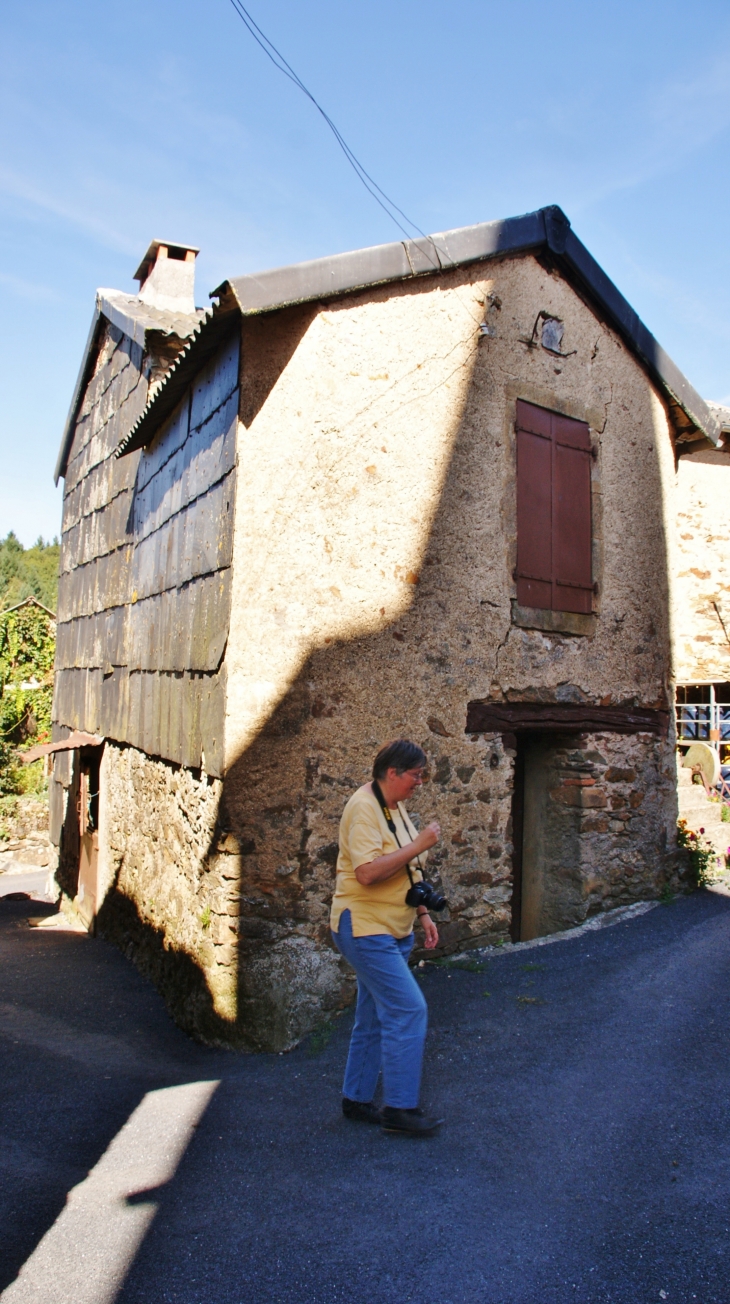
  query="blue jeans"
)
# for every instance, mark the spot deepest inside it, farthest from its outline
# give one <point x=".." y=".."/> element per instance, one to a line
<point x="390" y="1018"/>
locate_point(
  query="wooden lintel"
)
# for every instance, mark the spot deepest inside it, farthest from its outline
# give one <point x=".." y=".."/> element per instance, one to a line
<point x="563" y="717"/>
<point x="74" y="740"/>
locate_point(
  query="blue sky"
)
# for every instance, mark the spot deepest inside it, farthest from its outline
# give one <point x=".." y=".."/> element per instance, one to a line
<point x="119" y="123"/>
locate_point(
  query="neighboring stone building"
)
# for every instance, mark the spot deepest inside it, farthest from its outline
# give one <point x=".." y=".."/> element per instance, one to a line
<point x="702" y="623"/>
<point x="702" y="607"/>
<point x="422" y="489"/>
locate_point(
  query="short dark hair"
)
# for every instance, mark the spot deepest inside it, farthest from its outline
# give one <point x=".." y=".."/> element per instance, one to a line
<point x="401" y="755"/>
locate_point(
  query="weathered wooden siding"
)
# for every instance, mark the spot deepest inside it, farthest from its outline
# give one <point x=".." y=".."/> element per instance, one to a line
<point x="144" y="593"/>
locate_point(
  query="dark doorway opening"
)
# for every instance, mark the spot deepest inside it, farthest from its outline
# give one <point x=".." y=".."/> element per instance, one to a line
<point x="87" y="811"/>
<point x="546" y="837"/>
<point x="518" y="829"/>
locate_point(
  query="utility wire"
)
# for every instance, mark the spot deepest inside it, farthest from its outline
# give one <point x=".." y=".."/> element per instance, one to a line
<point x="278" y="60"/>
<point x="386" y="203"/>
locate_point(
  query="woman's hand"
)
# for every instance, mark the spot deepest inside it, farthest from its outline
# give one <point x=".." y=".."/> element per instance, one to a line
<point x="428" y="837"/>
<point x="430" y="931"/>
<point x="383" y="867"/>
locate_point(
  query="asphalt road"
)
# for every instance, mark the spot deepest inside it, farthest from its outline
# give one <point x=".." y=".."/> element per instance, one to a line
<point x="584" y="1157"/>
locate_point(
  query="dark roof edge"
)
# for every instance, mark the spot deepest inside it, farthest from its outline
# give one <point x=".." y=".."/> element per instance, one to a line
<point x="325" y="278"/>
<point x="30" y="599"/>
<point x="629" y="325"/>
<point x="104" y="307"/>
<point x="343" y="273"/>
<point x="322" y="278"/>
<point x="82" y="381"/>
<point x="204" y="341"/>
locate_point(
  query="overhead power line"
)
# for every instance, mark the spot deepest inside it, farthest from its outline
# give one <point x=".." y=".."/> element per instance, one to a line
<point x="278" y="60"/>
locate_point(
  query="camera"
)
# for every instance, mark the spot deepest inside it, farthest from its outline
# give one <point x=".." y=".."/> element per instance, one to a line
<point x="425" y="894"/>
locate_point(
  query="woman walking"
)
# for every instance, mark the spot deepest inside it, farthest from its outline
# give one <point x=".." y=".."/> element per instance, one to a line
<point x="372" y="926"/>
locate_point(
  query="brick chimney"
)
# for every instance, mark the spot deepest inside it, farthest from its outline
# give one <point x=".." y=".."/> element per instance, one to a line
<point x="166" y="276"/>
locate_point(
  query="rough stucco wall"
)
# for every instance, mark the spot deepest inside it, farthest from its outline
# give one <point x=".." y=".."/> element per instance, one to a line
<point x="373" y="555"/>
<point x="702" y="588"/>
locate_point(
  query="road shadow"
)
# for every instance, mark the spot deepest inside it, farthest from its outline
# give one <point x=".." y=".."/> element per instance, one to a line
<point x="84" y="1036"/>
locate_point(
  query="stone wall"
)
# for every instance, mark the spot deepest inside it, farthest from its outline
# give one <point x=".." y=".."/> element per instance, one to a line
<point x="172" y="882"/>
<point x="702" y="591"/>
<point x="378" y="499"/>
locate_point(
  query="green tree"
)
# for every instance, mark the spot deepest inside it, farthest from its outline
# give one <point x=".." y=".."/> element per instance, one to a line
<point x="28" y="572"/>
<point x="27" y="650"/>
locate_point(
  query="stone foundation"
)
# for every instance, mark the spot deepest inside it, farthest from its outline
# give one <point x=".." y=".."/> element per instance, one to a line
<point x="170" y="878"/>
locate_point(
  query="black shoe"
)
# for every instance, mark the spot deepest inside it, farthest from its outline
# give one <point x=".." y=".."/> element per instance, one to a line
<point x="360" y="1111"/>
<point x="412" y="1122"/>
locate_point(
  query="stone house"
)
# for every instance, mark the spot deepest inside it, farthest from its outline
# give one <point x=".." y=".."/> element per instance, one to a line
<point x="702" y="624"/>
<point x="703" y="561"/>
<point x="423" y="489"/>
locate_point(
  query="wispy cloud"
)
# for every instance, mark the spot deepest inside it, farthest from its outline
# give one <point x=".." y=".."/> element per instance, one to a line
<point x="677" y="119"/>
<point x="18" y="187"/>
<point x="28" y="290"/>
<point x="673" y="291"/>
<point x="690" y="111"/>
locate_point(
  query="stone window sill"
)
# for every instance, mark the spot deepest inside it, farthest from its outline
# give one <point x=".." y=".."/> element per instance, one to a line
<point x="553" y="622"/>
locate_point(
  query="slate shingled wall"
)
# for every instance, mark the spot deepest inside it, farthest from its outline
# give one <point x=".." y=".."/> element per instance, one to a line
<point x="144" y="588"/>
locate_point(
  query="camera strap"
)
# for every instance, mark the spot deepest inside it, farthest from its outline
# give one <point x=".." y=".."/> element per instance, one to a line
<point x="391" y="825"/>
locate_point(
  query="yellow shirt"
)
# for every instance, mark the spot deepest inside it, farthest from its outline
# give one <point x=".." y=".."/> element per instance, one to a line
<point x="364" y="835"/>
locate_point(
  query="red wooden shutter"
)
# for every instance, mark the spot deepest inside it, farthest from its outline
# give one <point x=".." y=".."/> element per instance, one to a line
<point x="572" y="562"/>
<point x="554" y="563"/>
<point x="534" y="506"/>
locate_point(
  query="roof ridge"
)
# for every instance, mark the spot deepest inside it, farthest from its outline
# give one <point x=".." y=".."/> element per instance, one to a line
<point x="30" y="598"/>
<point x="134" y="318"/>
<point x="547" y="229"/>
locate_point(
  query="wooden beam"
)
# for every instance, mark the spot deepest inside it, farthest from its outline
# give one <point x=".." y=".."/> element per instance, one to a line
<point x="563" y="717"/>
<point x="74" y="740"/>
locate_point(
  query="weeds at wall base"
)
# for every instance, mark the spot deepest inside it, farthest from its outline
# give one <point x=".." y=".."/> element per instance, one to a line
<point x="319" y="1039"/>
